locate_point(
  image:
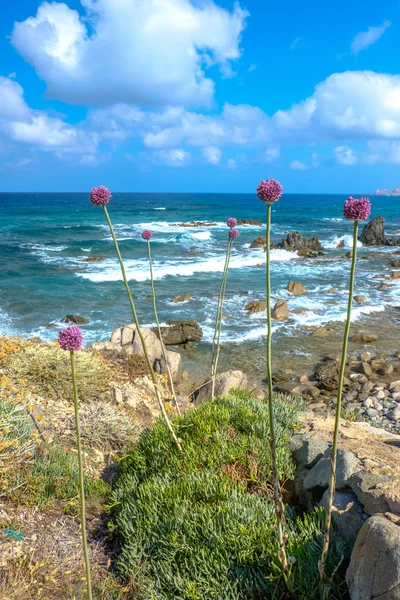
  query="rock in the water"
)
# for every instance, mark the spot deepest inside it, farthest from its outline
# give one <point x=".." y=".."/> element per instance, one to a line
<point x="374" y="570"/>
<point x="252" y="222"/>
<point x="180" y="332"/>
<point x="395" y="275"/>
<point x="383" y="286"/>
<point x="280" y="310"/>
<point x="363" y="336"/>
<point x="395" y="264"/>
<point x="348" y="520"/>
<point x="296" y="288"/>
<point x="347" y="464"/>
<point x="309" y="453"/>
<point x="93" y="259"/>
<point x="76" y="319"/>
<point x="256" y="306"/>
<point x="296" y="241"/>
<point x="373" y="233"/>
<point x="308" y="252"/>
<point x="323" y="331"/>
<point x="183" y="298"/>
<point x="260" y="242"/>
<point x="359" y="299"/>
<point x="224" y="383"/>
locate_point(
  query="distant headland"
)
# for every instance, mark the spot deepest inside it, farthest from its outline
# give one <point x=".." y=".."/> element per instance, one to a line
<point x="384" y="192"/>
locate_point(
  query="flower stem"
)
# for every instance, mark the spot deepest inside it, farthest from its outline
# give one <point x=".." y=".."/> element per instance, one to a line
<point x="135" y="317"/>
<point x="163" y="349"/>
<point x="218" y="320"/>
<point x="279" y="507"/>
<point x="333" y="454"/>
<point x="81" y="480"/>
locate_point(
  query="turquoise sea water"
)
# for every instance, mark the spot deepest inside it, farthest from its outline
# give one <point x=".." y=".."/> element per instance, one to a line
<point x="45" y="237"/>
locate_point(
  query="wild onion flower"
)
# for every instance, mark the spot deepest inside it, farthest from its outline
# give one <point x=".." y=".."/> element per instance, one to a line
<point x="147" y="235"/>
<point x="71" y="339"/>
<point x="269" y="191"/>
<point x="355" y="210"/>
<point x="100" y="197"/>
<point x="232" y="235"/>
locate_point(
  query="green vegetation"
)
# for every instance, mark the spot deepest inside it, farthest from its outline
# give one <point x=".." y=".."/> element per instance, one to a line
<point x="46" y="369"/>
<point x="200" y="524"/>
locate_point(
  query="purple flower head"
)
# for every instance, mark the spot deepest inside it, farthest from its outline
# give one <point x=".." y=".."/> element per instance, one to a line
<point x="70" y="338"/>
<point x="233" y="233"/>
<point x="357" y="209"/>
<point x="100" y="196"/>
<point x="146" y="234"/>
<point x="269" y="190"/>
<point x="231" y="222"/>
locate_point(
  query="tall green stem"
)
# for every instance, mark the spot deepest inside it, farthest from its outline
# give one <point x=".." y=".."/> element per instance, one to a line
<point x="218" y="322"/>
<point x="163" y="349"/>
<point x="135" y="317"/>
<point x="81" y="481"/>
<point x="333" y="454"/>
<point x="279" y="507"/>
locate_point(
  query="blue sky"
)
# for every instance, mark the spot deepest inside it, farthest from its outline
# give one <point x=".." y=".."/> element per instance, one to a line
<point x="182" y="95"/>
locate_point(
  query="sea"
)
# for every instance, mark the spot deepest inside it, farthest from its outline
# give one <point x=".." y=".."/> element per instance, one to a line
<point x="46" y="239"/>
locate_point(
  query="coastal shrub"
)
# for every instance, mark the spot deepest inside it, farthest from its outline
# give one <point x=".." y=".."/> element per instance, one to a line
<point x="104" y="427"/>
<point x="46" y="368"/>
<point x="201" y="524"/>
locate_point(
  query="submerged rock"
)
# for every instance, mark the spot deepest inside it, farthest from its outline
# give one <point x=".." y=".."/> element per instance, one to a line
<point x="296" y="288"/>
<point x="183" y="298"/>
<point x="76" y="319"/>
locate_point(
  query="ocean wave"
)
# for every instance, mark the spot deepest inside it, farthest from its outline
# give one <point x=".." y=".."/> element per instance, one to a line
<point x="344" y="241"/>
<point x="160" y="208"/>
<point x="332" y="219"/>
<point x="43" y="248"/>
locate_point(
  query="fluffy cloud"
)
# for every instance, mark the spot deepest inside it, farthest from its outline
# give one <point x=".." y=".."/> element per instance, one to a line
<point x="134" y="51"/>
<point x="176" y="157"/>
<point x="382" y="152"/>
<point x="345" y="155"/>
<point x="33" y="128"/>
<point x="297" y="165"/>
<point x="212" y="154"/>
<point x="364" y="39"/>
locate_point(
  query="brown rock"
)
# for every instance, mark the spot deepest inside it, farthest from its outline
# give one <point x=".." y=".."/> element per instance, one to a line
<point x="253" y="222"/>
<point x="260" y="242"/>
<point x="383" y="286"/>
<point x="280" y="311"/>
<point x="395" y="264"/>
<point x="256" y="306"/>
<point x="307" y="252"/>
<point x="395" y="275"/>
<point x="363" y="336"/>
<point x="323" y="331"/>
<point x="180" y="332"/>
<point x="92" y="259"/>
<point x="183" y="298"/>
<point x="331" y="291"/>
<point x="296" y="288"/>
<point x="359" y="299"/>
<point x="76" y="319"/>
<point x="364" y="368"/>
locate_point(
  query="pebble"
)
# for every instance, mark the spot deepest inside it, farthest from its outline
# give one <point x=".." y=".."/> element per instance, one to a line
<point x="380" y="395"/>
<point x="372" y="412"/>
<point x="368" y="402"/>
<point x="395" y="413"/>
<point x="396" y="396"/>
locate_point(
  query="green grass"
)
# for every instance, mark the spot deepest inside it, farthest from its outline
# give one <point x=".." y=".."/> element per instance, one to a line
<point x="200" y="525"/>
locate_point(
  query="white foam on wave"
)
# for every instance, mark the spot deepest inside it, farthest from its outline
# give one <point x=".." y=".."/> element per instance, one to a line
<point x="43" y="248"/>
<point x="201" y="235"/>
<point x="160" y="208"/>
<point x="332" y="219"/>
<point x="345" y="241"/>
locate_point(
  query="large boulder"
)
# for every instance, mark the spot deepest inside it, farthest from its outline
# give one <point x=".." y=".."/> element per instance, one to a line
<point x="260" y="242"/>
<point x="224" y="384"/>
<point x="256" y="306"/>
<point x="252" y="222"/>
<point x="280" y="312"/>
<point x="373" y="233"/>
<point x="349" y="515"/>
<point x="296" y="241"/>
<point x="180" y="332"/>
<point x="296" y="288"/>
<point x="370" y="489"/>
<point x="374" y="570"/>
<point x="127" y="338"/>
<point x="346" y="465"/>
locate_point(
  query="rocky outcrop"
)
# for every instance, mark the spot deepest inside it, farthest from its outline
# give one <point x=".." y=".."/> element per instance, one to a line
<point x="349" y="515"/>
<point x="374" y="570"/>
<point x="93" y="259"/>
<point x="182" y="298"/>
<point x="363" y="336"/>
<point x="260" y="242"/>
<point x="373" y="234"/>
<point x="75" y="319"/>
<point x="256" y="306"/>
<point x="193" y="224"/>
<point x="280" y="312"/>
<point x="128" y="339"/>
<point x="296" y="288"/>
<point x="224" y="384"/>
<point x="296" y="241"/>
<point x="252" y="222"/>
<point x="180" y="332"/>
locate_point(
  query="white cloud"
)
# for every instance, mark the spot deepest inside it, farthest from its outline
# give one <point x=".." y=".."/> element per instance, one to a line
<point x="297" y="165"/>
<point x="212" y="154"/>
<point x="364" y="39"/>
<point x="133" y="51"/>
<point x="176" y="157"/>
<point x="383" y="152"/>
<point x="345" y="155"/>
<point x="271" y="154"/>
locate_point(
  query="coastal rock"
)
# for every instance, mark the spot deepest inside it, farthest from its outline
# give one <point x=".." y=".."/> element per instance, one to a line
<point x="259" y="242"/>
<point x="370" y="490"/>
<point x="295" y="241"/>
<point x="363" y="336"/>
<point x="75" y="319"/>
<point x="364" y="368"/>
<point x="252" y="222"/>
<point x="256" y="306"/>
<point x="383" y="286"/>
<point x="323" y="331"/>
<point x="93" y="259"/>
<point x="347" y="464"/>
<point x="395" y="264"/>
<point x="224" y="383"/>
<point x="349" y="516"/>
<point x="327" y="370"/>
<point x="297" y="389"/>
<point x="374" y="570"/>
<point x="296" y="288"/>
<point x="194" y="224"/>
<point x="280" y="311"/>
<point x="183" y="298"/>
<point x="395" y="275"/>
<point x="310" y="452"/>
<point x="373" y="233"/>
<point x="308" y="252"/>
<point x="180" y="332"/>
<point x="331" y="291"/>
<point x="359" y="299"/>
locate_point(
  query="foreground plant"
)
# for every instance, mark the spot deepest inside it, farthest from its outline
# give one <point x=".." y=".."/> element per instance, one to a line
<point x="270" y="191"/>
<point x="354" y="210"/>
<point x="71" y="340"/>
<point x="100" y="196"/>
<point x="147" y="235"/>
<point x="232" y="235"/>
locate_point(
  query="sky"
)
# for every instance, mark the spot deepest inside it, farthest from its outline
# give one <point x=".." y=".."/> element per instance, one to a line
<point x="200" y="95"/>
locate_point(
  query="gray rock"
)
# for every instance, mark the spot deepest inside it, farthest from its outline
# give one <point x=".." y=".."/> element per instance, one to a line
<point x="373" y="233"/>
<point x="76" y="319"/>
<point x="395" y="413"/>
<point x="310" y="452"/>
<point x="348" y="522"/>
<point x="224" y="383"/>
<point x="296" y="442"/>
<point x="297" y="389"/>
<point x="347" y="464"/>
<point x="374" y="570"/>
<point x="365" y="486"/>
<point x="180" y="332"/>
